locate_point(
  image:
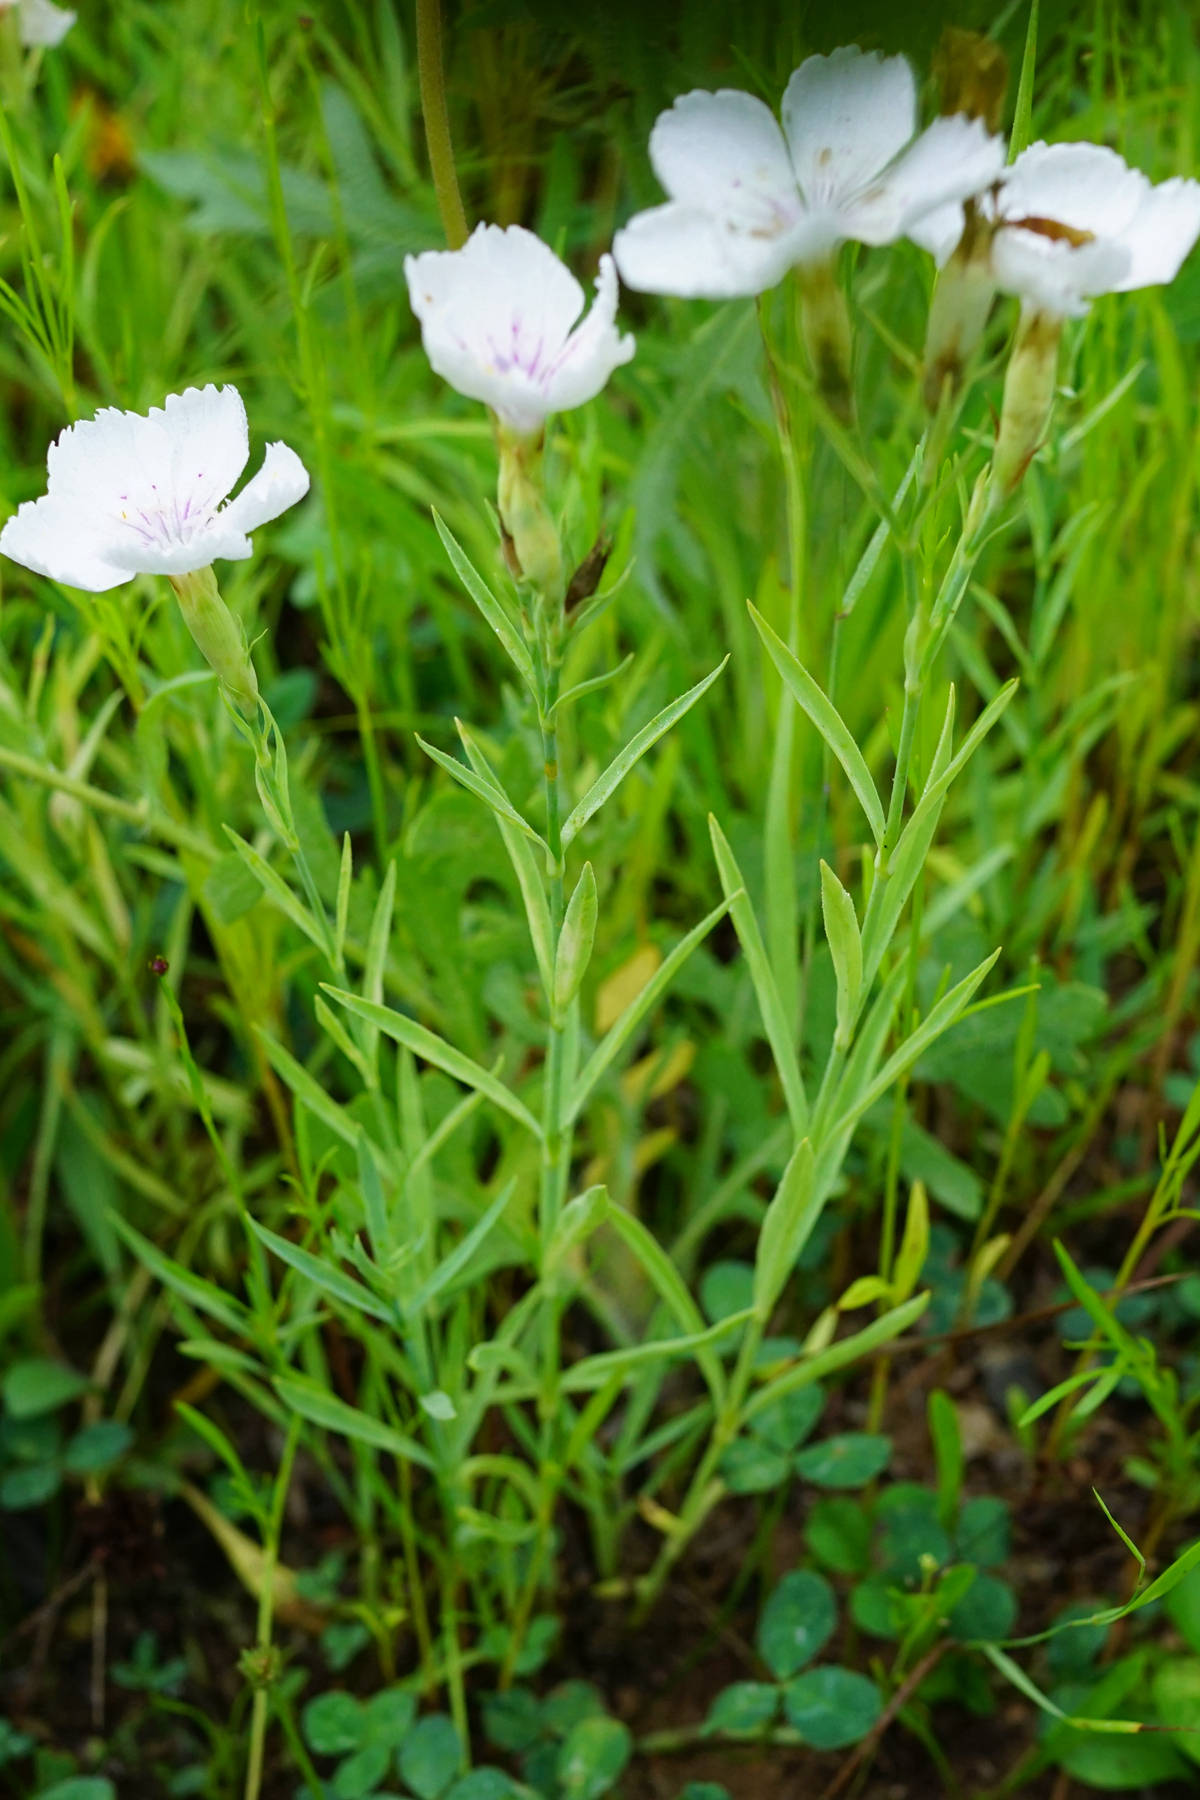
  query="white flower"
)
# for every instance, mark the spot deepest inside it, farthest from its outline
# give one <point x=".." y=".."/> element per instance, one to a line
<point x="39" y="22"/>
<point x="749" y="199"/>
<point x="1071" y="221"/>
<point x="497" y="318"/>
<point x="133" y="494"/>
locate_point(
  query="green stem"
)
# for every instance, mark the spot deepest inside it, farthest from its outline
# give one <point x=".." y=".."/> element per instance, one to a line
<point x="135" y="813"/>
<point x="705" y="1489"/>
<point x="366" y="732"/>
<point x="431" y="77"/>
<point x="779" y="846"/>
<point x="266" y="1612"/>
<point x="557" y="1138"/>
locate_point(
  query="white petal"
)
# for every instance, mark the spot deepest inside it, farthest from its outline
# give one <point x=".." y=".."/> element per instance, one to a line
<point x="49" y="537"/>
<point x="845" y="117"/>
<point x="724" y="154"/>
<point x="493" y="310"/>
<point x="43" y="24"/>
<point x="1163" y="232"/>
<point x="679" y="250"/>
<point x="186" y="454"/>
<point x="1053" y="274"/>
<point x="956" y="159"/>
<point x="216" y="541"/>
<point x="1085" y="186"/>
<point x="593" y="350"/>
<point x="282" y="480"/>
<point x="100" y="457"/>
<point x="210" y="442"/>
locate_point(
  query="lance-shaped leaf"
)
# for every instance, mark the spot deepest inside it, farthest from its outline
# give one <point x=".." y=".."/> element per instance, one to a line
<point x="766" y="990"/>
<point x="593" y="1371"/>
<point x="451" y="1266"/>
<point x="493" y="609"/>
<point x="320" y="1407"/>
<point x="433" y="1049"/>
<point x="828" y="721"/>
<point x="789" y="1220"/>
<point x="277" y="889"/>
<point x="324" y="1275"/>
<point x="606" y="785"/>
<point x="949" y="1008"/>
<point x="574" y="1225"/>
<point x="880" y="1331"/>
<point x="525" y="867"/>
<point x="671" y="1289"/>
<point x="619" y="1034"/>
<point x="490" y="792"/>
<point x="845" y="946"/>
<point x="575" y="940"/>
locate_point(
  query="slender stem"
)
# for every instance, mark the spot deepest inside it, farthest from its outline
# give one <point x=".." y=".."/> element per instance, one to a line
<point x="135" y="813"/>
<point x="557" y="1139"/>
<point x="779" y="847"/>
<point x="705" y="1490"/>
<point x="431" y="77"/>
<point x="366" y="732"/>
<point x="266" y="1612"/>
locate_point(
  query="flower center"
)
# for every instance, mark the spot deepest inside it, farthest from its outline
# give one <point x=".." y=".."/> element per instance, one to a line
<point x="1055" y="230"/>
<point x="165" y="519"/>
<point x="520" y="353"/>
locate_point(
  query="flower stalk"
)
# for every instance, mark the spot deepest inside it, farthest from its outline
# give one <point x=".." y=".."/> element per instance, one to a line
<point x="825" y="327"/>
<point x="431" y="78"/>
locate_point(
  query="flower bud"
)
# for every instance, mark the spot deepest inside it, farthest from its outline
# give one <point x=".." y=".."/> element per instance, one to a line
<point x="525" y="515"/>
<point x="971" y="71"/>
<point x="1028" y="397"/>
<point x="825" y="326"/>
<point x="218" y="636"/>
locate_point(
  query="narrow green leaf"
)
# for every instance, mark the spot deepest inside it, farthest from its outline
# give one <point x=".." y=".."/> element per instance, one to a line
<point x="880" y="1331"/>
<point x="594" y="1371"/>
<point x="607" y="784"/>
<point x="374" y="1202"/>
<point x="828" y="721"/>
<point x="785" y="1228"/>
<point x="378" y="939"/>
<point x="947" y="1455"/>
<point x="320" y="1407"/>
<point x="277" y="889"/>
<point x="940" y="1019"/>
<point x="308" y="1090"/>
<point x="845" y="946"/>
<point x="324" y="1275"/>
<point x="779" y="1035"/>
<point x="452" y="1265"/>
<point x="571" y="694"/>
<point x="433" y="1049"/>
<point x="575" y="940"/>
<point x="671" y="1288"/>
<point x="615" y="1039"/>
<point x="1022" y="125"/>
<point x="204" y="1295"/>
<point x="492" y="609"/>
<point x="914" y="1245"/>
<point x="483" y="789"/>
<point x="575" y="1223"/>
<point x="525" y="868"/>
<point x="341" y="917"/>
